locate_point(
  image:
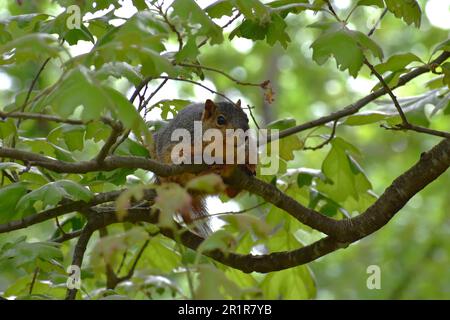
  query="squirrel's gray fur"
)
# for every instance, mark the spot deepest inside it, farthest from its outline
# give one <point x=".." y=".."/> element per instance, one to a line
<point x="193" y="112"/>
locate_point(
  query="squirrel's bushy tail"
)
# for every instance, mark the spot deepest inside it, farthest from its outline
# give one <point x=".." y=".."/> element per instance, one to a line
<point x="199" y="216"/>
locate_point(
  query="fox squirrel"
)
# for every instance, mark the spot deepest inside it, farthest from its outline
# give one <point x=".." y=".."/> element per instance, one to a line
<point x="213" y="115"/>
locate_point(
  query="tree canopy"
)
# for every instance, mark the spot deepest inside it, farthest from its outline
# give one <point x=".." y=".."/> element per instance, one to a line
<point x="359" y="91"/>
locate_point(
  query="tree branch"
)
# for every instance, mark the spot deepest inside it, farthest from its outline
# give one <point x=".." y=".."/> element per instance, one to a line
<point x="405" y="125"/>
<point x="192" y="65"/>
<point x="355" y="107"/>
<point x="430" y="165"/>
<point x="244" y="182"/>
<point x="78" y="254"/>
<point x="70" y="206"/>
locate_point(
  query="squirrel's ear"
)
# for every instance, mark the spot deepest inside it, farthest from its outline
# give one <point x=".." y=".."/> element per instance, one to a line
<point x="238" y="104"/>
<point x="210" y="108"/>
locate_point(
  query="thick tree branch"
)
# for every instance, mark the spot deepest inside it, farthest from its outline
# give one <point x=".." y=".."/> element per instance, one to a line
<point x="110" y="163"/>
<point x="438" y="162"/>
<point x="430" y="165"/>
<point x="78" y="254"/>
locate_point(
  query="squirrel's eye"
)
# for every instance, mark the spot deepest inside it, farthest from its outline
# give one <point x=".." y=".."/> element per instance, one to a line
<point x="221" y="120"/>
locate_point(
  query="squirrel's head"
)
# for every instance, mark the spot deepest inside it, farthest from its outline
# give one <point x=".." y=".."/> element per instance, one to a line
<point x="224" y="115"/>
<point x="228" y="115"/>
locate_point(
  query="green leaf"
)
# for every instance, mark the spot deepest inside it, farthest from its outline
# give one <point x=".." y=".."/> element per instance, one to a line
<point x="189" y="52"/>
<point x="250" y="29"/>
<point x="273" y="30"/>
<point x="59" y="26"/>
<point x="444" y="46"/>
<point x="120" y="70"/>
<point x="291" y="284"/>
<point x="291" y="6"/>
<point x="7" y="129"/>
<point x="172" y="106"/>
<point x="22" y="253"/>
<point x="168" y="259"/>
<point x="140" y="4"/>
<point x="97" y="131"/>
<point x="348" y="179"/>
<point x="23" y="24"/>
<point x="289" y="144"/>
<point x="346" y="46"/>
<point x="446" y="70"/>
<point x="277" y="31"/>
<point x="391" y="79"/>
<point x="126" y="112"/>
<point x="397" y="62"/>
<point x="164" y="202"/>
<point x="52" y="193"/>
<point x="304" y="179"/>
<point x="364" y="118"/>
<point x="220" y="8"/>
<point x="9" y="196"/>
<point x="378" y="3"/>
<point x="73" y="136"/>
<point x="220" y="239"/>
<point x="320" y="202"/>
<point x="190" y="11"/>
<point x="368" y="44"/>
<point x="33" y="46"/>
<point x="408" y="10"/>
<point x="210" y="183"/>
<point x="213" y="284"/>
<point x="247" y="223"/>
<point x="131" y="147"/>
<point x="43" y="147"/>
<point x="435" y="83"/>
<point x="64" y="102"/>
<point x="253" y="9"/>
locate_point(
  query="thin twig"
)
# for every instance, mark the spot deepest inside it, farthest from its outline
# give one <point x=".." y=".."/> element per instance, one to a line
<point x="60" y="228"/>
<point x="375" y="26"/>
<point x="33" y="84"/>
<point x="192" y="65"/>
<point x="333" y="12"/>
<point x="152" y="95"/>
<point x="171" y="26"/>
<point x="133" y="97"/>
<point x="141" y="107"/>
<point x="358" y="105"/>
<point x="405" y="125"/>
<point x="198" y="84"/>
<point x="327" y="141"/>
<point x="412" y="127"/>
<point x="252" y="116"/>
<point x="35" y="274"/>
<point x="138" y="89"/>
<point x="230" y="212"/>
<point x="107" y="147"/>
<point x="201" y="44"/>
<point x="136" y="260"/>
<point x="122" y="261"/>
<point x="67" y="236"/>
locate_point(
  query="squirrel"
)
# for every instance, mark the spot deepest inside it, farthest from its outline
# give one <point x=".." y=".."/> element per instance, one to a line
<point x="213" y="115"/>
